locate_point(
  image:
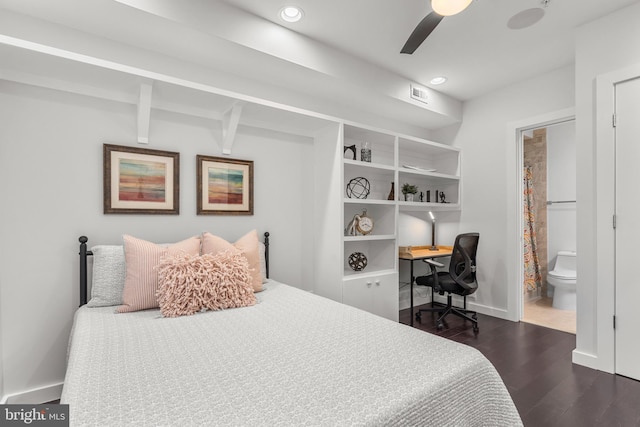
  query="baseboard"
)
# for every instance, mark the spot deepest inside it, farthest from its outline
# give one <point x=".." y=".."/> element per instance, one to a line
<point x="585" y="359"/>
<point x="472" y="305"/>
<point x="35" y="396"/>
<point x="459" y="301"/>
<point x="489" y="311"/>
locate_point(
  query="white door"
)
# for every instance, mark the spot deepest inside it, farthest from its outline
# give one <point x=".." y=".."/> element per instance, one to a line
<point x="376" y="294"/>
<point x="358" y="293"/>
<point x="385" y="296"/>
<point x="627" y="234"/>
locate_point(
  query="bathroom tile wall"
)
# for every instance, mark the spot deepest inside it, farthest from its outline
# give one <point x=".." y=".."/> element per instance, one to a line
<point x="535" y="156"/>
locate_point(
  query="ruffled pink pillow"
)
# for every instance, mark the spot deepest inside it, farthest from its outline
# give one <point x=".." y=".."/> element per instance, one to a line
<point x="249" y="245"/>
<point x="189" y="284"/>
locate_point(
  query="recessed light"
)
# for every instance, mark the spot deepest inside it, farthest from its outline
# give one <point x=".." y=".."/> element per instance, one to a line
<point x="291" y="13"/>
<point x="438" y="80"/>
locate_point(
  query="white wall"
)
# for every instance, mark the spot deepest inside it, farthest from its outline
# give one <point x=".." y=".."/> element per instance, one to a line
<point x="602" y="46"/>
<point x="488" y="170"/>
<point x="561" y="186"/>
<point x="51" y="175"/>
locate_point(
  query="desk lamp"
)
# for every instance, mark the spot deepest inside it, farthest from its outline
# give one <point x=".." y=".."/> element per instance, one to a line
<point x="433" y="232"/>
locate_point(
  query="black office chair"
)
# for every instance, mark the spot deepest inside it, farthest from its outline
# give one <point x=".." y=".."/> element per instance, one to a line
<point x="459" y="280"/>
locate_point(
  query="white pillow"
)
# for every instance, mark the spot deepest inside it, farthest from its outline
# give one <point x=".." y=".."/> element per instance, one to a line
<point x="108" y="275"/>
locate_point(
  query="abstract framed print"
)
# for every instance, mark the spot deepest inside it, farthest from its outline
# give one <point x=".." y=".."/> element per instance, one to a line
<point x="140" y="181"/>
<point x="225" y="186"/>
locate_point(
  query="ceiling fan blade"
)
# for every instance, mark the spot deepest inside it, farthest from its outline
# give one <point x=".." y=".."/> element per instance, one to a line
<point x="421" y="32"/>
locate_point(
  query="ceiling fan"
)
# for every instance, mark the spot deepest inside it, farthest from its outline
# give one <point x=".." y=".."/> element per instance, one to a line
<point x="441" y="8"/>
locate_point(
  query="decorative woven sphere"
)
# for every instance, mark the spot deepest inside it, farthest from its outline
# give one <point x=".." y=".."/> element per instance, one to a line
<point x="357" y="261"/>
<point x="358" y="188"/>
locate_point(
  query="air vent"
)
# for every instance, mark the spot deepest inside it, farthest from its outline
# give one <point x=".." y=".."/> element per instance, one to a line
<point x="419" y="94"/>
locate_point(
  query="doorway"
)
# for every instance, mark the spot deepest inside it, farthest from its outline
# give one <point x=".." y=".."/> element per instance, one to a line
<point x="549" y="226"/>
<point x="516" y="132"/>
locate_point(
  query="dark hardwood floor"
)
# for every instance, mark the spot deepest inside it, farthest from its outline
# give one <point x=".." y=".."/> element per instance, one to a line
<point x="535" y="365"/>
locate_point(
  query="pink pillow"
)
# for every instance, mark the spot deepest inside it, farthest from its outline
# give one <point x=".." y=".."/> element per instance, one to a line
<point x="189" y="284"/>
<point x="141" y="279"/>
<point x="248" y="245"/>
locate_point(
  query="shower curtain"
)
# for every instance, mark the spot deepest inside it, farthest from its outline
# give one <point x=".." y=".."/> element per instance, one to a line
<point x="532" y="276"/>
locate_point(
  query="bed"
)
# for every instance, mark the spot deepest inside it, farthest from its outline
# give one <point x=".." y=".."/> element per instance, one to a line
<point x="294" y="358"/>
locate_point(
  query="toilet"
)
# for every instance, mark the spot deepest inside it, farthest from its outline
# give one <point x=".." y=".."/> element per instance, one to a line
<point x="563" y="280"/>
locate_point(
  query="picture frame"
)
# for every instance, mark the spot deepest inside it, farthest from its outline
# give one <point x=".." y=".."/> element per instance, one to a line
<point x="140" y="181"/>
<point x="225" y="186"/>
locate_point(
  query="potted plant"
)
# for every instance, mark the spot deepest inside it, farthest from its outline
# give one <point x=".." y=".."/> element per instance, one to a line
<point x="409" y="190"/>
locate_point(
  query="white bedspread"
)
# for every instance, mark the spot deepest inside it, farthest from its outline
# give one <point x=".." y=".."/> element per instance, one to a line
<point x="293" y="359"/>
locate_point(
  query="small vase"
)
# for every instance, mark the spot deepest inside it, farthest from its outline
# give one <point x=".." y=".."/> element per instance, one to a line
<point x="392" y="193"/>
<point x="408" y="197"/>
<point x="365" y="152"/>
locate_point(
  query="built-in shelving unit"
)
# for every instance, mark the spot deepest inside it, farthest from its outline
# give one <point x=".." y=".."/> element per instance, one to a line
<point x="434" y="168"/>
<point x="395" y="160"/>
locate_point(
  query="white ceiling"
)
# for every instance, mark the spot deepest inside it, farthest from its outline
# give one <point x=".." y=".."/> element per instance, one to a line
<point x="474" y="49"/>
<point x="343" y="52"/>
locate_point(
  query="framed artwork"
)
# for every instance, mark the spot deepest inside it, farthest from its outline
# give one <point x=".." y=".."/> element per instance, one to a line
<point x="225" y="186"/>
<point x="140" y="181"/>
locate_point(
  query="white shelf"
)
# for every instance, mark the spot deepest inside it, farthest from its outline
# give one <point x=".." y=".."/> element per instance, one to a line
<point x="421" y="206"/>
<point x="370" y="201"/>
<point x="362" y="164"/>
<point x="431" y="181"/>
<point x="356" y="275"/>
<point x="369" y="237"/>
<point x="428" y="155"/>
<point x="435" y="174"/>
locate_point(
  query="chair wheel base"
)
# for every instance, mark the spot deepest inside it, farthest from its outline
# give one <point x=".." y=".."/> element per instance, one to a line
<point x="466" y="315"/>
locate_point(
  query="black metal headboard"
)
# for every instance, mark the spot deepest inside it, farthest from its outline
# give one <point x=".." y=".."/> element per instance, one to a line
<point x="84" y="253"/>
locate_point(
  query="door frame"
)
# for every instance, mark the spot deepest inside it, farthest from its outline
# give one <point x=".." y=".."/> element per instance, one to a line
<point x="515" y="213"/>
<point x="605" y="209"/>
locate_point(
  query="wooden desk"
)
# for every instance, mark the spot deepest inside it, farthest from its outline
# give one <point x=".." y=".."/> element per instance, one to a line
<point x="413" y="253"/>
